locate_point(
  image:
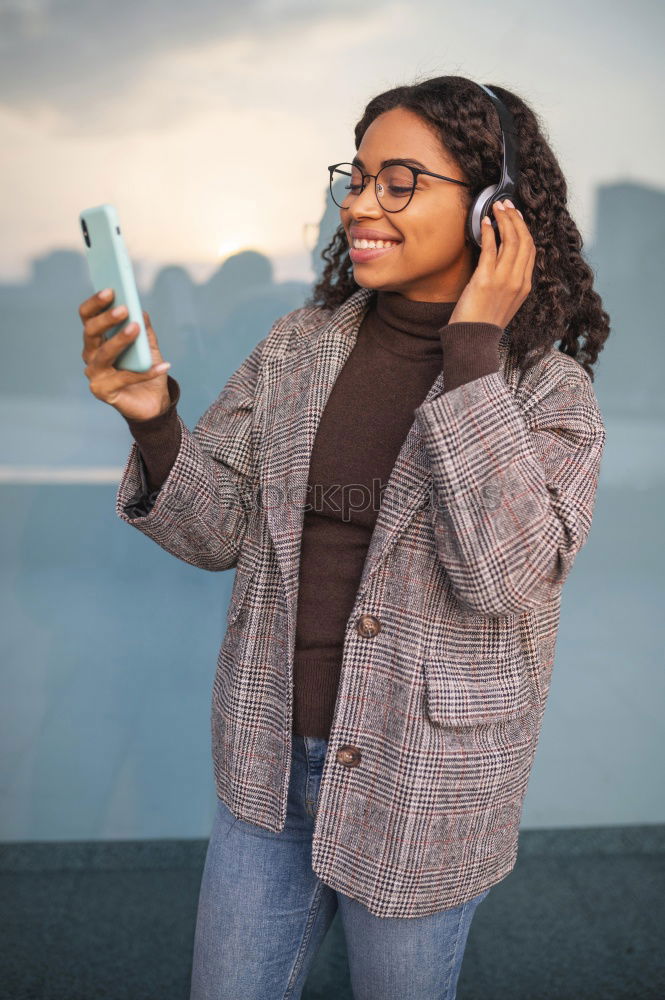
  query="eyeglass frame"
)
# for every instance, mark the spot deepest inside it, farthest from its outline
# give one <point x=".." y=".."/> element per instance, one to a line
<point x="416" y="171"/>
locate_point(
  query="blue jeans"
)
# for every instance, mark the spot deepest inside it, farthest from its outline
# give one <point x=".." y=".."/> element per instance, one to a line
<point x="263" y="914"/>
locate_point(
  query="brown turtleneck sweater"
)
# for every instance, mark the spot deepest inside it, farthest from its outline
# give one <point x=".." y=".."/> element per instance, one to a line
<point x="401" y="347"/>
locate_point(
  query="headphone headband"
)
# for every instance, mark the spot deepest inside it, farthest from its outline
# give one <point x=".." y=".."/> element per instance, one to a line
<point x="507" y="184"/>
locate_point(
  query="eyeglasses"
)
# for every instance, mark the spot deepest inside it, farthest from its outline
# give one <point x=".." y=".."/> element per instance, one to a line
<point x="394" y="184"/>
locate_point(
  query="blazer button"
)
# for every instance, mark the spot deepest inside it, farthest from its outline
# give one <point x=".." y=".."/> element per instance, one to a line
<point x="368" y="626"/>
<point x="349" y="755"/>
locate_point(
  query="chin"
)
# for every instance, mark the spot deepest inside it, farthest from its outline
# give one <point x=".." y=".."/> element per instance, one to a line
<point x="376" y="283"/>
<point x="380" y="286"/>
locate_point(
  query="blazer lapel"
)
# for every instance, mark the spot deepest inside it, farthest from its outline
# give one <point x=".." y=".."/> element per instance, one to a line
<point x="296" y="387"/>
<point x="409" y="485"/>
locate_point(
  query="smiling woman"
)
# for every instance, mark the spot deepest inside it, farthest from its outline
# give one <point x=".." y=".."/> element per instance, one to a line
<point x="449" y="127"/>
<point x="419" y="208"/>
<point x="430" y="463"/>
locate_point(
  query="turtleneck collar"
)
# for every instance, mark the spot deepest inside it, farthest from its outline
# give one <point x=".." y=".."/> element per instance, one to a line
<point x="409" y="328"/>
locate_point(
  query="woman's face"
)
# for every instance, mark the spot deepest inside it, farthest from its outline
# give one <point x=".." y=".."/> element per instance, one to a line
<point x="431" y="262"/>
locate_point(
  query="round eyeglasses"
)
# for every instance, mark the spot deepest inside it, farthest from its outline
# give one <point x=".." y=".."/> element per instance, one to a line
<point x="394" y="184"/>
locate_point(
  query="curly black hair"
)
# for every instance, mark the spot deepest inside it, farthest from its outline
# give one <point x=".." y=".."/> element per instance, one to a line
<point x="562" y="304"/>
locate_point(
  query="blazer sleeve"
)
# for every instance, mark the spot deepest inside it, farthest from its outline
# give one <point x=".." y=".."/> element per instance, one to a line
<point x="514" y="488"/>
<point x="200" y="512"/>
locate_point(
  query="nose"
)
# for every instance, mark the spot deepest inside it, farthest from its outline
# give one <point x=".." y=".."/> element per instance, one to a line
<point x="366" y="203"/>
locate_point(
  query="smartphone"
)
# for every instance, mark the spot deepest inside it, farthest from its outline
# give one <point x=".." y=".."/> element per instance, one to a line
<point x="110" y="267"/>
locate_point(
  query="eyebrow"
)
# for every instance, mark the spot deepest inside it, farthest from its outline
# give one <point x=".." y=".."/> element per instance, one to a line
<point x="357" y="162"/>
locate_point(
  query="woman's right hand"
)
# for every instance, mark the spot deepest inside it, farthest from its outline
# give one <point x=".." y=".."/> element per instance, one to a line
<point x="137" y="395"/>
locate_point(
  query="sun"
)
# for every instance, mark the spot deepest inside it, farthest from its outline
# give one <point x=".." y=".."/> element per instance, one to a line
<point x="228" y="247"/>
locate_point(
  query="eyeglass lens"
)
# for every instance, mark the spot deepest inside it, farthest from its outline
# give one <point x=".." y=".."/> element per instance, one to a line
<point x="394" y="185"/>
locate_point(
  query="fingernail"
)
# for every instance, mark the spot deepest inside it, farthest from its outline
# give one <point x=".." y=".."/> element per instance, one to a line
<point x="519" y="213"/>
<point x="497" y="204"/>
<point x="105" y="294"/>
<point x="509" y="203"/>
<point x="163" y="366"/>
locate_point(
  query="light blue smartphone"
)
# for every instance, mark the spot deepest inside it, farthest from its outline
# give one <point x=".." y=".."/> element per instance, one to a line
<point x="110" y="267"/>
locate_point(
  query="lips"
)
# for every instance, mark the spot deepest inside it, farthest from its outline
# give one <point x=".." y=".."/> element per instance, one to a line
<point x="371" y="234"/>
<point x="361" y="256"/>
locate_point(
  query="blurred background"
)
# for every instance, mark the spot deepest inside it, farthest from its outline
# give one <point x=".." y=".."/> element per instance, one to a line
<point x="209" y="126"/>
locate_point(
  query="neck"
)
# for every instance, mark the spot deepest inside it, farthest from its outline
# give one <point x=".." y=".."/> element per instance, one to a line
<point x="413" y="315"/>
<point x="410" y="328"/>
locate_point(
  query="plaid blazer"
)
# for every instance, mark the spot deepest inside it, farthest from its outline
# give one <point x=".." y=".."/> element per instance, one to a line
<point x="448" y="651"/>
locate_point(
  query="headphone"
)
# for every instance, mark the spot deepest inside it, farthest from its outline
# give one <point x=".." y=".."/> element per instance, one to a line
<point x="482" y="203"/>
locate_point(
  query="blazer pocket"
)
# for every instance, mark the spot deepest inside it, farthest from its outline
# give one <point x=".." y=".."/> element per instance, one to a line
<point x="242" y="580"/>
<point x="491" y="690"/>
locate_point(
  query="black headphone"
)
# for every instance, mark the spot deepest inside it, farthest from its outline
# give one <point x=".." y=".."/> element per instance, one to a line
<point x="482" y="203"/>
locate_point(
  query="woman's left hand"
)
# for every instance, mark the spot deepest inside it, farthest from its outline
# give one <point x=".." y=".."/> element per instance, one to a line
<point x="502" y="279"/>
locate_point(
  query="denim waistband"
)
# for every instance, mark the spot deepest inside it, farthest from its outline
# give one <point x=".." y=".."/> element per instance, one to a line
<point x="309" y="748"/>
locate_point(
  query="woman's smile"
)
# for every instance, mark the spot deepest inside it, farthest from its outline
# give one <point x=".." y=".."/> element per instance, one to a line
<point x="366" y="243"/>
<point x="361" y="254"/>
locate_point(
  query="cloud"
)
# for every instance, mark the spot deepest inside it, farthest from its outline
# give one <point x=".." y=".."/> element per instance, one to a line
<point x="66" y="61"/>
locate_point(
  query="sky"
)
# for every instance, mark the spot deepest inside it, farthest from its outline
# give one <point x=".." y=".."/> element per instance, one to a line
<point x="209" y="125"/>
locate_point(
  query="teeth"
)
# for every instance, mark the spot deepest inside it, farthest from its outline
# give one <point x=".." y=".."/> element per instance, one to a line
<point x="373" y="244"/>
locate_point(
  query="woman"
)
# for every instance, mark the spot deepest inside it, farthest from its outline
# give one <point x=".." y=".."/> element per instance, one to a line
<point x="388" y="652"/>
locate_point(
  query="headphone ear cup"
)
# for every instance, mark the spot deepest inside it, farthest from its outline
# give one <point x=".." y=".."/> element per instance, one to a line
<point x="479" y="209"/>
